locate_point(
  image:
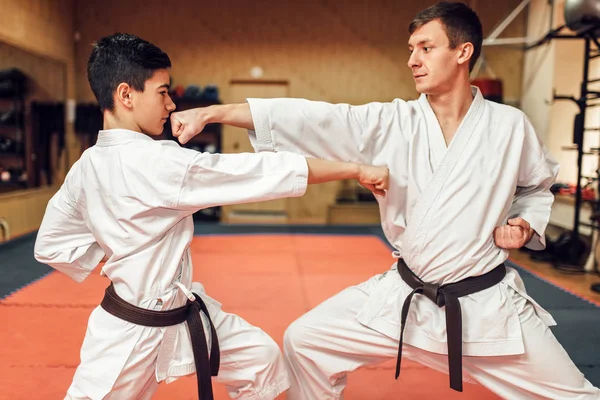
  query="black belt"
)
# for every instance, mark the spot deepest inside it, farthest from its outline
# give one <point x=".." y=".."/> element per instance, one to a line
<point x="118" y="307"/>
<point x="447" y="295"/>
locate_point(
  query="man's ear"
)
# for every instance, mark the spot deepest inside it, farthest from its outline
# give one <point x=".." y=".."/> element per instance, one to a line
<point x="124" y="95"/>
<point x="466" y="52"/>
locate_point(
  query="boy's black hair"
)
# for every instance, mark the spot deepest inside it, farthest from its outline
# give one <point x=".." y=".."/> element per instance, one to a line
<point x="461" y="23"/>
<point x="122" y="58"/>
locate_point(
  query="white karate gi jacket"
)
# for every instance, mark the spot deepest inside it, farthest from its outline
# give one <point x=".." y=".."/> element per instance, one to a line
<point x="132" y="198"/>
<point x="442" y="205"/>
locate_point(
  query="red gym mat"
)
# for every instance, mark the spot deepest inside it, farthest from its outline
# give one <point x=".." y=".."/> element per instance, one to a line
<point x="269" y="280"/>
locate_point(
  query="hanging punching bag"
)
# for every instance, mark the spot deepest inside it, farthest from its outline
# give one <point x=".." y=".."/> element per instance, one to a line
<point x="491" y="89"/>
<point x="582" y="14"/>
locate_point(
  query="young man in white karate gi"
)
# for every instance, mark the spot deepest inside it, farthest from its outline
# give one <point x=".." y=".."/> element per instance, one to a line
<point x="469" y="180"/>
<point x="130" y="199"/>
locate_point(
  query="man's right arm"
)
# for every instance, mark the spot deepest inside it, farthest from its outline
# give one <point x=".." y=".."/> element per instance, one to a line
<point x="339" y="132"/>
<point x="187" y="124"/>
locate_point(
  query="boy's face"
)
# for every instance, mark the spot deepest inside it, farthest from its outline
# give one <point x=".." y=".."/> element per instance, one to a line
<point x="151" y="108"/>
<point x="434" y="65"/>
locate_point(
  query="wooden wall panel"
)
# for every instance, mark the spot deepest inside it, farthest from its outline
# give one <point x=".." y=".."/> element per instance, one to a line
<point x="24" y="211"/>
<point x="43" y="28"/>
<point x="40" y="26"/>
<point x="329" y="50"/>
<point x="332" y="50"/>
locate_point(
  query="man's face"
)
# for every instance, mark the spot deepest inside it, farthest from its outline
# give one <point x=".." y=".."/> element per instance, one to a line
<point x="433" y="64"/>
<point x="152" y="106"/>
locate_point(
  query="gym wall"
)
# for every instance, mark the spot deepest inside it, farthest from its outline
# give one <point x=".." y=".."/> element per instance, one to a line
<point x="558" y="66"/>
<point x="329" y="50"/>
<point x="43" y="28"/>
<point x="338" y="51"/>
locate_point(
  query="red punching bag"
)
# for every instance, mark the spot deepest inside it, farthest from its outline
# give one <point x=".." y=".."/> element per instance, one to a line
<point x="490" y="88"/>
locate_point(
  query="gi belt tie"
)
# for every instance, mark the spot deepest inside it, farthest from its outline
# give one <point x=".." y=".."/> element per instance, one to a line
<point x="446" y="295"/>
<point x="190" y="312"/>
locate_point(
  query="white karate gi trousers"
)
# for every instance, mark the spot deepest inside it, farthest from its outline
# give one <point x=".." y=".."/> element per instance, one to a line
<point x="252" y="366"/>
<point x="325" y="344"/>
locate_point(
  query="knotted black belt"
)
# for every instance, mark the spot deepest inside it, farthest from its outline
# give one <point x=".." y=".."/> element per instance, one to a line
<point x="118" y="307"/>
<point x="446" y="295"/>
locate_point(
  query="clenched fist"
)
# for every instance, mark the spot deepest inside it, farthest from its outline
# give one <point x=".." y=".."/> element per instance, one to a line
<point x="514" y="235"/>
<point x="376" y="179"/>
<point x="187" y="124"/>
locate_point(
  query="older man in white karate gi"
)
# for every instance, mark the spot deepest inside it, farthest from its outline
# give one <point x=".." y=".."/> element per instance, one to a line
<point x="469" y="180"/>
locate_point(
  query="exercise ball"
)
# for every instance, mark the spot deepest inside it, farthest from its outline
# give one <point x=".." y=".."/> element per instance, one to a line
<point x="582" y="14"/>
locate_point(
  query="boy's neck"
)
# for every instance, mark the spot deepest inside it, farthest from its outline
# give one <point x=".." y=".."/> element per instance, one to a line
<point x="111" y="121"/>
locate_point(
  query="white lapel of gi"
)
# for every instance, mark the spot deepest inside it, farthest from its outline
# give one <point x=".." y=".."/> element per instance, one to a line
<point x="414" y="233"/>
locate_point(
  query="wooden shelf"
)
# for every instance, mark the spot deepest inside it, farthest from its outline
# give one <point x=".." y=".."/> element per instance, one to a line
<point x="12" y="156"/>
<point x="11" y="186"/>
<point x="16" y="156"/>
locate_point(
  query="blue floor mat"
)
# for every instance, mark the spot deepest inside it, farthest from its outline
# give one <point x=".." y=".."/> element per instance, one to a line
<point x="18" y="267"/>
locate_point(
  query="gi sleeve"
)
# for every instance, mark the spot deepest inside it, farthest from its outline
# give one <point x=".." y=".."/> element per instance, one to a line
<point x="533" y="200"/>
<point x="224" y="179"/>
<point x="63" y="241"/>
<point x="338" y="132"/>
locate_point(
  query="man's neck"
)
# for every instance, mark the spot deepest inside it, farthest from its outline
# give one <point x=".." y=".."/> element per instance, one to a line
<point x="452" y="106"/>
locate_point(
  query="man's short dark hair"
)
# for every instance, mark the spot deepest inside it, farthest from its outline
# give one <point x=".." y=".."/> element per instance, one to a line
<point x="122" y="58"/>
<point x="461" y="23"/>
